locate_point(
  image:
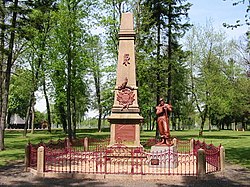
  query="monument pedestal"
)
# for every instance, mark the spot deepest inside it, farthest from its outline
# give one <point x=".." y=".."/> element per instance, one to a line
<point x="163" y="156"/>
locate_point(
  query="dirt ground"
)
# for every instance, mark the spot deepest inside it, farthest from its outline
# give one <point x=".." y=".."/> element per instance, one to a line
<point x="14" y="175"/>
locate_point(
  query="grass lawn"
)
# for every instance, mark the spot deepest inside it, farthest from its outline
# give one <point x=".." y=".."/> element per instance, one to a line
<point x="236" y="143"/>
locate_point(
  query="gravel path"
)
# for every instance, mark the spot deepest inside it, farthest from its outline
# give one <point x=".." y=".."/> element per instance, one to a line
<point x="14" y="175"/>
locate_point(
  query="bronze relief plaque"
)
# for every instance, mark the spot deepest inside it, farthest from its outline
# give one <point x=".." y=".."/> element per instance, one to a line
<point x="124" y="132"/>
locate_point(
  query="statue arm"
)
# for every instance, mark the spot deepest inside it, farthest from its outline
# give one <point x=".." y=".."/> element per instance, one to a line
<point x="169" y="107"/>
<point x="159" y="110"/>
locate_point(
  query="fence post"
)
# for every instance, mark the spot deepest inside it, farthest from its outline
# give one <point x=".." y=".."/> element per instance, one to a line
<point x="27" y="157"/>
<point x="68" y="144"/>
<point x="192" y="145"/>
<point x="86" y="144"/>
<point x="201" y="169"/>
<point x="222" y="159"/>
<point x="175" y="142"/>
<point x="40" y="160"/>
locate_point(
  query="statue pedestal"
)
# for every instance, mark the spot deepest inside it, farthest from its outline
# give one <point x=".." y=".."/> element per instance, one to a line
<point x="163" y="156"/>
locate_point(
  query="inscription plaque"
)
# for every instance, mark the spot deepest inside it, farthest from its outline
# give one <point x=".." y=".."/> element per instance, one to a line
<point x="154" y="161"/>
<point x="124" y="132"/>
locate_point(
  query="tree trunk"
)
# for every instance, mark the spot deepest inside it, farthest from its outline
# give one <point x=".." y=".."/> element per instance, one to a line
<point x="158" y="77"/>
<point x="32" y="116"/>
<point x="203" y="119"/>
<point x="209" y="124"/>
<point x="47" y="105"/>
<point x="150" y="118"/>
<point x="169" y="54"/>
<point x="179" y="123"/>
<point x="2" y="54"/>
<point x="243" y="123"/>
<point x="158" y="52"/>
<point x="74" y="117"/>
<point x="27" y="118"/>
<point x="63" y="117"/>
<point x="154" y="121"/>
<point x="69" y="95"/>
<point x="8" y="120"/>
<point x="98" y="94"/>
<point x="97" y="76"/>
<point x="26" y="121"/>
<point x="7" y="78"/>
<point x="100" y="120"/>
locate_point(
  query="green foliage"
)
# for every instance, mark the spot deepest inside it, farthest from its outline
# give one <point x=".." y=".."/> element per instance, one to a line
<point x="39" y="117"/>
<point x="110" y="20"/>
<point x="20" y="89"/>
<point x="69" y="60"/>
<point x="216" y="78"/>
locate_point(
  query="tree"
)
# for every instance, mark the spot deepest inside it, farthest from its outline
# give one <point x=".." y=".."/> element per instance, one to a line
<point x="68" y="68"/>
<point x="103" y="80"/>
<point x="20" y="88"/>
<point x="212" y="74"/>
<point x="95" y="68"/>
<point x="161" y="25"/>
<point x="6" y="58"/>
<point x="110" y="20"/>
<point x="37" y="33"/>
<point x="2" y="60"/>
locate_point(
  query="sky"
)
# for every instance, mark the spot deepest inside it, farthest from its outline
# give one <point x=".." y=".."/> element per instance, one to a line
<point x="218" y="11"/>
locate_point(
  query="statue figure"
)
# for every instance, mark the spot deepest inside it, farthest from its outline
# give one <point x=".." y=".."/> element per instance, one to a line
<point x="163" y="123"/>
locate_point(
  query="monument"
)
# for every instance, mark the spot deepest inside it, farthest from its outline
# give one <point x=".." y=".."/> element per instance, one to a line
<point x="125" y="118"/>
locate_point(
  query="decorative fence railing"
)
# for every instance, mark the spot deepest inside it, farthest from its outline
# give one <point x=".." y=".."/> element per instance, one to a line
<point x="94" y="156"/>
<point x="212" y="155"/>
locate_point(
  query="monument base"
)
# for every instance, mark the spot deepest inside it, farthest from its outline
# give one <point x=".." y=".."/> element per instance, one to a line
<point x="163" y="156"/>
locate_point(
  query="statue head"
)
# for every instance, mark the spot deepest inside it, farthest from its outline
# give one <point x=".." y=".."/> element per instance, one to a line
<point x="161" y="101"/>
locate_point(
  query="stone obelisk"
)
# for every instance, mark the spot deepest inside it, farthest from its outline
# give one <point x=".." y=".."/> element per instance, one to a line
<point x="125" y="118"/>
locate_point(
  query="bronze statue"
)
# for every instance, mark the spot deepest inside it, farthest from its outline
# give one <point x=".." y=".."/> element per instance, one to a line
<point x="163" y="123"/>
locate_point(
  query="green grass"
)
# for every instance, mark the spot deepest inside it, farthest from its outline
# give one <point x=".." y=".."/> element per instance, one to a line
<point x="236" y="143"/>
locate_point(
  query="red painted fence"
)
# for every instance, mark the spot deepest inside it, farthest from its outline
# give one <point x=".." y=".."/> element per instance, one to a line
<point x="98" y="158"/>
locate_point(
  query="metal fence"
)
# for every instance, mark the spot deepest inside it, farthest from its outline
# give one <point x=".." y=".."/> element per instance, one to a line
<point x="212" y="155"/>
<point x="94" y="156"/>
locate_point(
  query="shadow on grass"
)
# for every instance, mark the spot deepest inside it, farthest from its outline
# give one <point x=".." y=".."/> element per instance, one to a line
<point x="210" y="180"/>
<point x="188" y="137"/>
<point x="100" y="136"/>
<point x="94" y="130"/>
<point x="245" y="135"/>
<point x="59" y="182"/>
<point x="220" y="137"/>
<point x="240" y="155"/>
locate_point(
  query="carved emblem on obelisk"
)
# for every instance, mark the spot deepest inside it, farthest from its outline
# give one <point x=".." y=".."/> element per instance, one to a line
<point x="125" y="96"/>
<point x="126" y="59"/>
